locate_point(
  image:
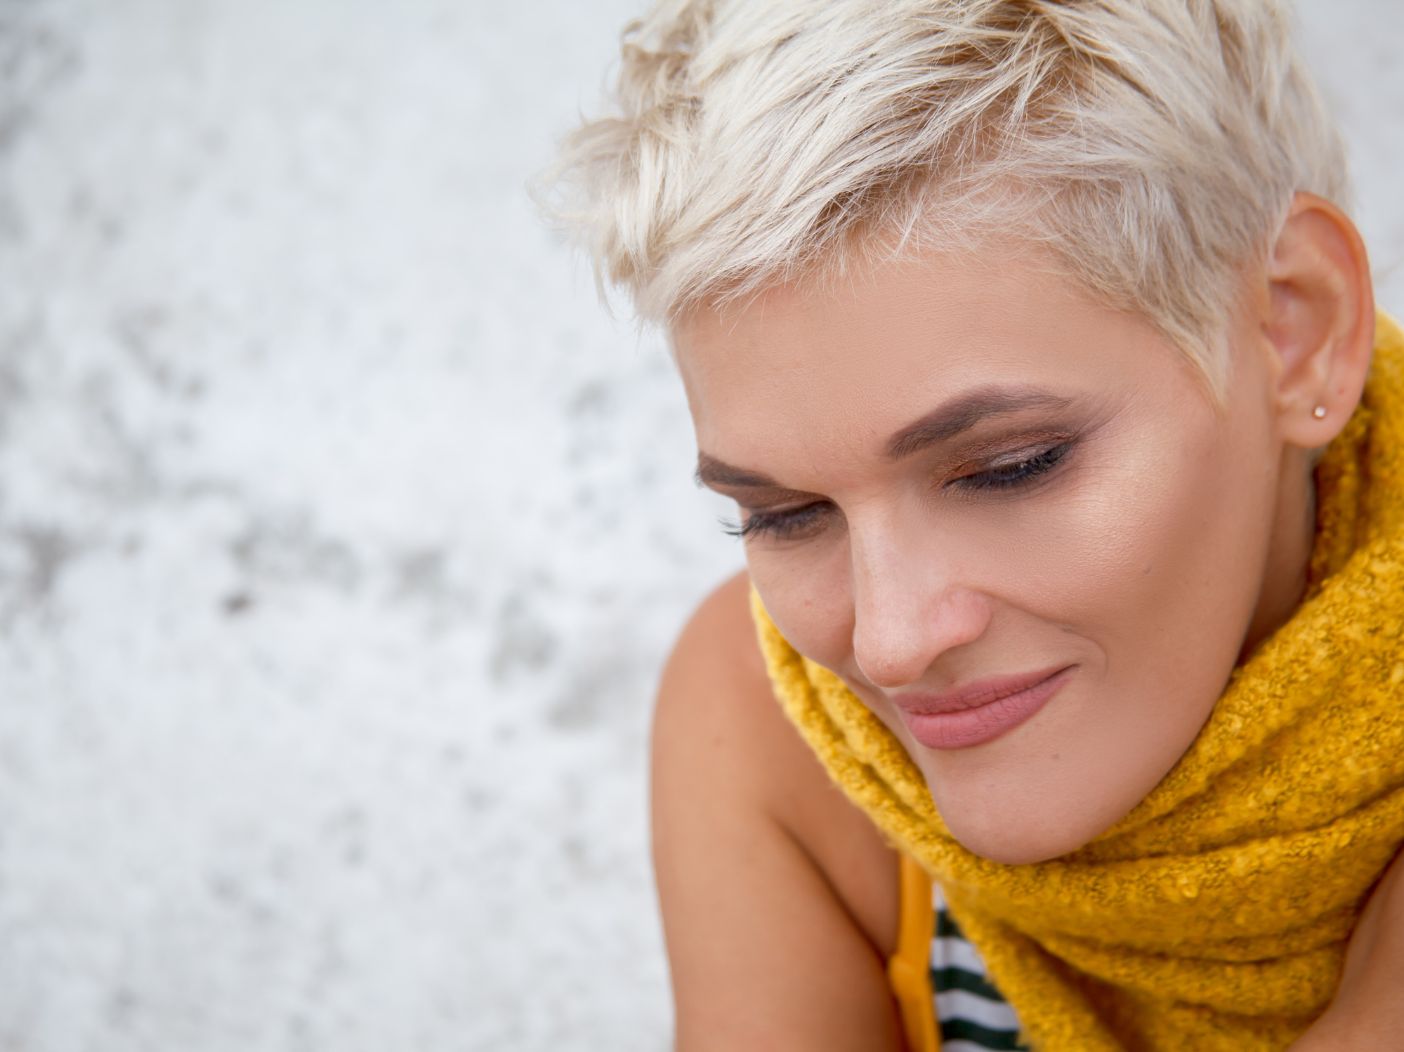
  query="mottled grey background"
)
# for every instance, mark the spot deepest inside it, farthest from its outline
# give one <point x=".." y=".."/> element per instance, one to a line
<point x="341" y="534"/>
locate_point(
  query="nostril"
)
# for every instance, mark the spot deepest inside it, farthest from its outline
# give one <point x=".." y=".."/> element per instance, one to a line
<point x="890" y="655"/>
<point x="885" y="677"/>
<point x="894" y="646"/>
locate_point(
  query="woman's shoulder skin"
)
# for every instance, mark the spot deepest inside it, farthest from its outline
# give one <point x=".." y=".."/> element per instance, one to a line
<point x="779" y="899"/>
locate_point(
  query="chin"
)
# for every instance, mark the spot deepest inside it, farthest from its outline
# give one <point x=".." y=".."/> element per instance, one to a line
<point x="1010" y="832"/>
<point x="1018" y="850"/>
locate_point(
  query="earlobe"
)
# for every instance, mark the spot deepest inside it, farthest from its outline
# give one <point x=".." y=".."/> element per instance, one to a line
<point x="1320" y="320"/>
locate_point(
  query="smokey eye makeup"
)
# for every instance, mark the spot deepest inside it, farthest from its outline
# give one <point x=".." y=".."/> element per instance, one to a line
<point x="1017" y="472"/>
<point x="781" y="525"/>
<point x="1007" y="476"/>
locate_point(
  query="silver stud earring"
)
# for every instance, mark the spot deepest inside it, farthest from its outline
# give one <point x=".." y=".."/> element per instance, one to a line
<point x="1319" y="412"/>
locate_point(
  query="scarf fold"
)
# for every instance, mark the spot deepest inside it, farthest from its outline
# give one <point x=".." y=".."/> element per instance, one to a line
<point x="1215" y="915"/>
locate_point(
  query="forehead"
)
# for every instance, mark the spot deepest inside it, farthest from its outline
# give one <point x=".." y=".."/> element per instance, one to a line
<point x="806" y="362"/>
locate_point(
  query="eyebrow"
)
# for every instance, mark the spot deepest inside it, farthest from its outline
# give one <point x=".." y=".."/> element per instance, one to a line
<point x="960" y="414"/>
<point x="943" y="423"/>
<point x="714" y="472"/>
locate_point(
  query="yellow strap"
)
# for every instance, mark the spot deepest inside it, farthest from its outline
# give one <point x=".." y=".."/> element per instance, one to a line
<point x="909" y="968"/>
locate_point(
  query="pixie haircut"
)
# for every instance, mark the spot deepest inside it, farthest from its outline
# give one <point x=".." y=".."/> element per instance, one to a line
<point x="1150" y="147"/>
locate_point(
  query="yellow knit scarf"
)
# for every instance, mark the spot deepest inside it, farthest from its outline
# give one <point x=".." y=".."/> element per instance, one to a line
<point x="1215" y="915"/>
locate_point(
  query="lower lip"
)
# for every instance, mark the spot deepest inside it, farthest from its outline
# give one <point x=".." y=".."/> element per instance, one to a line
<point x="960" y="730"/>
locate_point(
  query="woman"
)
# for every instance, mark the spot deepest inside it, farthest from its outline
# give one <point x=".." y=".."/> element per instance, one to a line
<point x="1031" y="345"/>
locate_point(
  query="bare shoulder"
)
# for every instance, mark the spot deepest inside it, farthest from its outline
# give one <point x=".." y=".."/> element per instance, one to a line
<point x="779" y="898"/>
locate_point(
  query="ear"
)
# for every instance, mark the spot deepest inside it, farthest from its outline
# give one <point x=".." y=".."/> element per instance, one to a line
<point x="1320" y="319"/>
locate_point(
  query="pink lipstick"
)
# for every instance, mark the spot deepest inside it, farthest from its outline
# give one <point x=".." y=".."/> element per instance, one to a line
<point x="978" y="712"/>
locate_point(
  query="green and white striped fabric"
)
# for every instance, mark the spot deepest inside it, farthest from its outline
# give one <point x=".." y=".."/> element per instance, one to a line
<point x="970" y="1013"/>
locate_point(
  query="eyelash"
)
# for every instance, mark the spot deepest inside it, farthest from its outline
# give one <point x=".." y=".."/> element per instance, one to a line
<point x="1010" y="476"/>
<point x="782" y="525"/>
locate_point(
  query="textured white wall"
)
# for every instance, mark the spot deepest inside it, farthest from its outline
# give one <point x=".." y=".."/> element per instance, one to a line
<point x="341" y="535"/>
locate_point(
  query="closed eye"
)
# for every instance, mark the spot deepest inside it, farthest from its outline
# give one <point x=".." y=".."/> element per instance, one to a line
<point x="809" y="519"/>
<point x="1016" y="474"/>
<point x="787" y="524"/>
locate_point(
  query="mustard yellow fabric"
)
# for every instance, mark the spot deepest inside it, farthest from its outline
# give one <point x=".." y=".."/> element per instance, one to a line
<point x="1215" y="915"/>
<point x="909" y="968"/>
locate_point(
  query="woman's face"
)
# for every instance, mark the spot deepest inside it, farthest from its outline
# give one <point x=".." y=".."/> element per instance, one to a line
<point x="1010" y="518"/>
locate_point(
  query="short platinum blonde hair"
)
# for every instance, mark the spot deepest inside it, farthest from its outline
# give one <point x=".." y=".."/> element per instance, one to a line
<point x="1153" y="146"/>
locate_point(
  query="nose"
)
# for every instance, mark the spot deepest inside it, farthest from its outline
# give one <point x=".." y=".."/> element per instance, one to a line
<point x="910" y="606"/>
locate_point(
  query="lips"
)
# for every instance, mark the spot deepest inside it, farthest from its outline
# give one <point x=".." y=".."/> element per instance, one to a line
<point x="978" y="712"/>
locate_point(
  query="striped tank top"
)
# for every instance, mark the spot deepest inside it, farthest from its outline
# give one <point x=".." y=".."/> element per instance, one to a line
<point x="970" y="1012"/>
<point x="944" y="995"/>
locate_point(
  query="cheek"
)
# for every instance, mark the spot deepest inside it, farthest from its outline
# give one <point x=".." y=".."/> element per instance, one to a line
<point x="1150" y="548"/>
<point x="807" y="594"/>
<point x="1161" y="556"/>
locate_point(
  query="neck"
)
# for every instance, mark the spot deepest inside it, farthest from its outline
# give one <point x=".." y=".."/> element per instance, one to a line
<point x="1289" y="552"/>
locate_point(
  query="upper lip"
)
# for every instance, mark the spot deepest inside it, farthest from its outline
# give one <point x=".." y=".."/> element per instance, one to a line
<point x="972" y="695"/>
